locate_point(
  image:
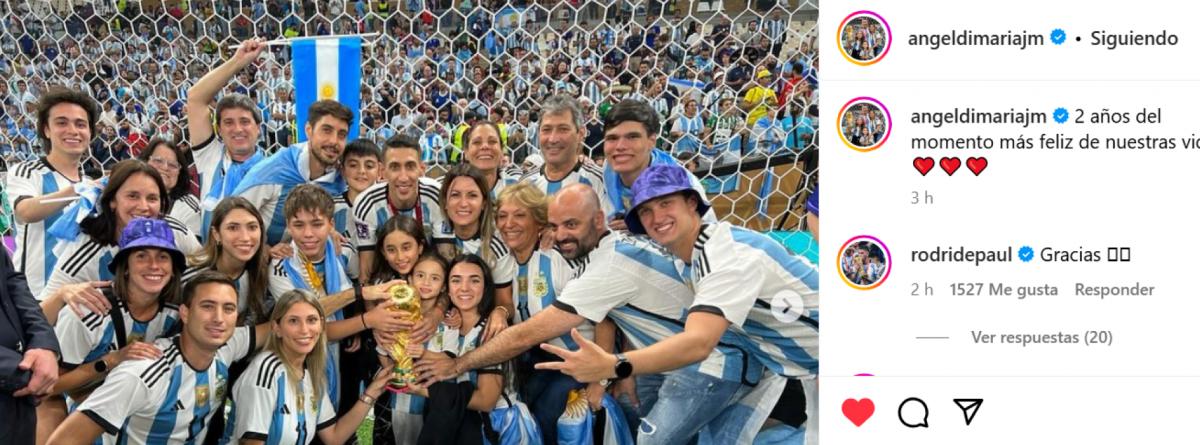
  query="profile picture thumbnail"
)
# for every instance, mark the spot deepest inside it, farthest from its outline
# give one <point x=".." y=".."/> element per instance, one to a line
<point x="864" y="262"/>
<point x="864" y="124"/>
<point x="864" y="37"/>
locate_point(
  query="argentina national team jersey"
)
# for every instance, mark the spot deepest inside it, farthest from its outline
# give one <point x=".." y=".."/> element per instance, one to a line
<point x="290" y="273"/>
<point x="639" y="287"/>
<point x="267" y="407"/>
<point x="212" y="163"/>
<point x="85" y="259"/>
<point x="85" y="340"/>
<point x="343" y="220"/>
<point x="540" y="281"/>
<point x="583" y="173"/>
<point x="165" y="400"/>
<point x="35" y="249"/>
<point x="741" y="275"/>
<point x="371" y="210"/>
<point x="504" y="266"/>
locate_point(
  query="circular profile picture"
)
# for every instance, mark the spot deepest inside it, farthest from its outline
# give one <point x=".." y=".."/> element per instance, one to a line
<point x="864" y="124"/>
<point x="864" y="262"/>
<point x="864" y="38"/>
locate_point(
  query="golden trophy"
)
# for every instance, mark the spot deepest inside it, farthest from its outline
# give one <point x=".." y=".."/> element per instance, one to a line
<point x="403" y="298"/>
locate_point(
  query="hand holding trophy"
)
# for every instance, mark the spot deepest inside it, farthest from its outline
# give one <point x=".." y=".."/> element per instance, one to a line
<point x="403" y="298"/>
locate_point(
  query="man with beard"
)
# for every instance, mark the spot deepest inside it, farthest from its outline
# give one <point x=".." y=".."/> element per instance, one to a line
<point x="315" y="161"/>
<point x="223" y="161"/>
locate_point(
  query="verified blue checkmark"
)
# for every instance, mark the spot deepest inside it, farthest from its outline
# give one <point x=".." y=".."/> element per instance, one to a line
<point x="1025" y="253"/>
<point x="1058" y="36"/>
<point x="1061" y="115"/>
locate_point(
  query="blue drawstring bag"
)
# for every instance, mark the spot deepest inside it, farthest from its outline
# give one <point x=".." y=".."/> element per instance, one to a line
<point x="512" y="425"/>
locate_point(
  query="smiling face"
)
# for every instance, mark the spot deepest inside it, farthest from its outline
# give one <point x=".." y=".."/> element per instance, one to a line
<point x="627" y="147"/>
<point x="360" y="171"/>
<point x="239" y="235"/>
<point x="428" y="277"/>
<point x="149" y="270"/>
<point x="670" y="219"/>
<point x="483" y="149"/>
<point x="466" y="287"/>
<point x="211" y="316"/>
<point x="67" y="129"/>
<point x="138" y="197"/>
<point x="559" y="139"/>
<point x="327" y="139"/>
<point x="401" y="251"/>
<point x="517" y="225"/>
<point x="239" y="131"/>
<point x="299" y="329"/>
<point x="403" y="170"/>
<point x="464" y="202"/>
<point x="310" y="230"/>
<point x="164" y="160"/>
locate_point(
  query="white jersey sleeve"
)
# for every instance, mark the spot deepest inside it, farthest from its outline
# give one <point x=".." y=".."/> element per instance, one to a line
<point x="123" y="393"/>
<point x="593" y="294"/>
<point x="186" y="210"/>
<point x="504" y="269"/>
<point x="326" y="415"/>
<point x="366" y="215"/>
<point x="254" y="400"/>
<point x="185" y="239"/>
<point x="20" y="187"/>
<point x="726" y="285"/>
<point x="77" y="337"/>
<point x="239" y="345"/>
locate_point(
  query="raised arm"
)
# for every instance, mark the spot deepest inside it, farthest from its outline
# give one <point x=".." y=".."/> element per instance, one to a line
<point x="202" y="93"/>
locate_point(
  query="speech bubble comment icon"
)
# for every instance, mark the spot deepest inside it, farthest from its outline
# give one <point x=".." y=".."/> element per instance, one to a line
<point x="914" y="413"/>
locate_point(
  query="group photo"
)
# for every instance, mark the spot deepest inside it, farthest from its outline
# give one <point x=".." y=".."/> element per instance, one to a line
<point x="411" y="222"/>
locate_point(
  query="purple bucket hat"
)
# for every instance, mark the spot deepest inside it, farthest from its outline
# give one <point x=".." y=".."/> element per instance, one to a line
<point x="656" y="181"/>
<point x="144" y="233"/>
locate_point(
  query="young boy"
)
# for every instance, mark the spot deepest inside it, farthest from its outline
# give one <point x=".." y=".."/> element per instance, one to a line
<point x="317" y="264"/>
<point x="361" y="168"/>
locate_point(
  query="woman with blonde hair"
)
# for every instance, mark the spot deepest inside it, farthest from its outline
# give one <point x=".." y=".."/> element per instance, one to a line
<point x="282" y="397"/>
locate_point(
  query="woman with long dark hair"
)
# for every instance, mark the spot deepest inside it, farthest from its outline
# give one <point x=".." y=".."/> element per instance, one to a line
<point x="235" y="248"/>
<point x="469" y="211"/>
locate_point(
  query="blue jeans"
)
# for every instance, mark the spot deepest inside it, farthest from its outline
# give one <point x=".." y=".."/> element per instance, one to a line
<point x="677" y="407"/>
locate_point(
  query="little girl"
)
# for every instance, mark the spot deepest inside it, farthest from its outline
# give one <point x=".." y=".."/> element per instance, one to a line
<point x="427" y="274"/>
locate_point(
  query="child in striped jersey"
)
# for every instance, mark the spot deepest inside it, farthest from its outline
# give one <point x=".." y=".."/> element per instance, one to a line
<point x="407" y="410"/>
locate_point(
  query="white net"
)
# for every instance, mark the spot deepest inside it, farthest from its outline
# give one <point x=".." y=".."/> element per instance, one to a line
<point x="734" y="82"/>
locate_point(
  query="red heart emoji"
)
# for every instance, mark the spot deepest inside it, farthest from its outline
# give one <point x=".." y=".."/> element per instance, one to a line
<point x="950" y="165"/>
<point x="923" y="165"/>
<point x="976" y="165"/>
<point x="858" y="411"/>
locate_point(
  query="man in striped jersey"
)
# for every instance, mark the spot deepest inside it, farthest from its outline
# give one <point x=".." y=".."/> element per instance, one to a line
<point x="751" y="286"/>
<point x="66" y="124"/>
<point x="561" y="130"/>
<point x="223" y="158"/>
<point x="171" y="399"/>
<point x="406" y="191"/>
<point x="639" y="287"/>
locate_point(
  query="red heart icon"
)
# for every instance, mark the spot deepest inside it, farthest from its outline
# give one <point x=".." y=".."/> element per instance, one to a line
<point x="950" y="165"/>
<point x="923" y="165"/>
<point x="976" y="165"/>
<point x="858" y="411"/>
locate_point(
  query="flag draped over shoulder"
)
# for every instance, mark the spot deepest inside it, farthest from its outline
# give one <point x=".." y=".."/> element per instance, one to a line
<point x="327" y="68"/>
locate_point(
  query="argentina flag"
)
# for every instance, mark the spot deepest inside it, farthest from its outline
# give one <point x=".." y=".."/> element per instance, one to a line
<point x="327" y="68"/>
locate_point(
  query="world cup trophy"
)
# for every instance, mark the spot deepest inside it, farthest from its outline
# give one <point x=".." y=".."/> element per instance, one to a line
<point x="403" y="298"/>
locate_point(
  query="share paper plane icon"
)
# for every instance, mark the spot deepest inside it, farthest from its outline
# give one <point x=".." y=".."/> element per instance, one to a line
<point x="969" y="408"/>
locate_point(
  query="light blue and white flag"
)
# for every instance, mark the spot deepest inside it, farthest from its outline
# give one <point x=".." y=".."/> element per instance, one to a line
<point x="327" y="68"/>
